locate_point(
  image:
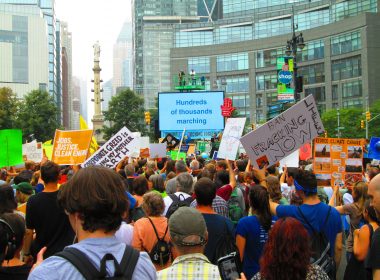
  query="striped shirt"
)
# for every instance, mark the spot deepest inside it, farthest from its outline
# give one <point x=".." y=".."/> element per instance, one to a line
<point x="191" y="266"/>
<point x="219" y="205"/>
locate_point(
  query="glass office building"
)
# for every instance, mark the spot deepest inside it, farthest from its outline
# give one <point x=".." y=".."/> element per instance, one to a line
<point x="340" y="63"/>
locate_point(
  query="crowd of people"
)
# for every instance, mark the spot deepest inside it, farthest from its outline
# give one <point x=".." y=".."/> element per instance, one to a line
<point x="167" y="219"/>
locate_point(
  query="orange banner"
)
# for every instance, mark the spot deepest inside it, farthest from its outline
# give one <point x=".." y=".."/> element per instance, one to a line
<point x="338" y="161"/>
<point x="71" y="147"/>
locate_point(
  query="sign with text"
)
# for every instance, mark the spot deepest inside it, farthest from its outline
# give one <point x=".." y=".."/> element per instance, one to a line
<point x="337" y="161"/>
<point x="285" y="73"/>
<point x="32" y="151"/>
<point x="112" y="152"/>
<point x="11" y="147"/>
<point x="284" y="134"/>
<point x="70" y="147"/>
<point x="230" y="139"/>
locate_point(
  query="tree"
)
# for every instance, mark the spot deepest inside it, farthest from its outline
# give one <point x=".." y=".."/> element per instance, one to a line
<point x="8" y="108"/>
<point x="125" y="109"/>
<point x="38" y="115"/>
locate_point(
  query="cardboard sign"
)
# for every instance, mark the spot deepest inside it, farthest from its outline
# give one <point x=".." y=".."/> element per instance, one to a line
<point x="157" y="150"/>
<point x="112" y="152"/>
<point x="338" y="162"/>
<point x="174" y="154"/>
<point x="144" y="142"/>
<point x="284" y="134"/>
<point x="70" y="147"/>
<point x="11" y="147"/>
<point x="291" y="160"/>
<point x="32" y="151"/>
<point x="230" y="140"/>
<point x="171" y="141"/>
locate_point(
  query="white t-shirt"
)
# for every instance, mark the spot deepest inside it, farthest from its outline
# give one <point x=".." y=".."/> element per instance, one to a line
<point x="125" y="233"/>
<point x="168" y="201"/>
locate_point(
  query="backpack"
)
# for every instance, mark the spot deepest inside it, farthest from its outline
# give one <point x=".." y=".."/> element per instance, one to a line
<point x="320" y="246"/>
<point x="234" y="210"/>
<point x="160" y="253"/>
<point x="80" y="261"/>
<point x="177" y="203"/>
<point x="225" y="245"/>
<point x="137" y="213"/>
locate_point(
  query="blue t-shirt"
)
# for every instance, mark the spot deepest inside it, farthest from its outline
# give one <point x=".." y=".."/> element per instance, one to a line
<point x="255" y="237"/>
<point x="316" y="216"/>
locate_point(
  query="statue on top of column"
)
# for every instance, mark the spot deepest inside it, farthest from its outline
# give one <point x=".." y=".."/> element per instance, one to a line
<point x="96" y="47"/>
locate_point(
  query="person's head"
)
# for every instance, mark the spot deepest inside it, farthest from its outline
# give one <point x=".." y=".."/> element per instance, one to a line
<point x="205" y="191"/>
<point x="359" y="193"/>
<point x="372" y="172"/>
<point x="205" y="174"/>
<point x="7" y="199"/>
<point x="35" y="178"/>
<point x="221" y="165"/>
<point x="180" y="167"/>
<point x="241" y="164"/>
<point x="274" y="188"/>
<point x="222" y="177"/>
<point x="184" y="183"/>
<point x="188" y="231"/>
<point x="21" y="178"/>
<point x="12" y="231"/>
<point x="95" y="200"/>
<point x="153" y="204"/>
<point x="369" y="213"/>
<point x="170" y="166"/>
<point x="149" y="172"/>
<point x="259" y="202"/>
<point x="157" y="182"/>
<point x="50" y="172"/>
<point x="23" y="191"/>
<point x="272" y="170"/>
<point x="29" y="165"/>
<point x="287" y="251"/>
<point x="140" y="185"/>
<point x="194" y="165"/>
<point x="3" y="174"/>
<point x="151" y="164"/>
<point x="305" y="183"/>
<point x="291" y="175"/>
<point x="210" y="167"/>
<point x="129" y="170"/>
<point x="374" y="193"/>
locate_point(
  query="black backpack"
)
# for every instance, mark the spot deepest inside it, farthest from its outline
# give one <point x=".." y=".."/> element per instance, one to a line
<point x="226" y="245"/>
<point x="160" y="253"/>
<point x="320" y="246"/>
<point x="124" y="270"/>
<point x="137" y="213"/>
<point x="177" y="203"/>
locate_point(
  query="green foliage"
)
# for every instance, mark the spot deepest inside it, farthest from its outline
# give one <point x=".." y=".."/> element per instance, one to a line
<point x="125" y="109"/>
<point x="38" y="115"/>
<point x="8" y="108"/>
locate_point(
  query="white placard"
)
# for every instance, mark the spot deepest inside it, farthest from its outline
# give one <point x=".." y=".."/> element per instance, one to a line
<point x="157" y="150"/>
<point x="230" y="139"/>
<point x="32" y="151"/>
<point x="144" y="142"/>
<point x="291" y="160"/>
<point x="284" y="134"/>
<point x="114" y="150"/>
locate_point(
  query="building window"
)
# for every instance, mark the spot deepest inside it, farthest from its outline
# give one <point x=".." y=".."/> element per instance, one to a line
<point x="234" y="84"/>
<point x="199" y="64"/>
<point x="266" y="81"/>
<point x="232" y="62"/>
<point x="313" y="50"/>
<point x="351" y="8"/>
<point x="268" y="58"/>
<point x="272" y="28"/>
<point x="312" y="74"/>
<point x="313" y="19"/>
<point x="335" y="92"/>
<point x="194" y="38"/>
<point x="233" y="34"/>
<point x="346" y="68"/>
<point x="345" y="43"/>
<point x="318" y="93"/>
<point x="353" y="103"/>
<point x="271" y="98"/>
<point x="352" y="89"/>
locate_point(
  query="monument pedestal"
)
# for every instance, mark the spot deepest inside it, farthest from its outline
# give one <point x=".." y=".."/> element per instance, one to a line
<point x="97" y="123"/>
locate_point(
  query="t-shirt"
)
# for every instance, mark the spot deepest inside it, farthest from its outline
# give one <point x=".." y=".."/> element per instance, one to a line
<point x="316" y="216"/>
<point x="373" y="258"/>
<point x="355" y="214"/>
<point x="168" y="200"/>
<point x="255" y="236"/>
<point x="125" y="233"/>
<point x="55" y="268"/>
<point x="217" y="228"/>
<point x="50" y="222"/>
<point x="225" y="192"/>
<point x="19" y="272"/>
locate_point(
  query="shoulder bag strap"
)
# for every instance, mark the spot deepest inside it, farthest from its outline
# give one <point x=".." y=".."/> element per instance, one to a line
<point x="129" y="261"/>
<point x="80" y="261"/>
<point x="304" y="218"/>
<point x="174" y="197"/>
<point x="370" y="233"/>
<point x="155" y="231"/>
<point x="327" y="218"/>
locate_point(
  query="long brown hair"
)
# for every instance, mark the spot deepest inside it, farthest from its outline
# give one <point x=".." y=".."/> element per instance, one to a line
<point x="359" y="194"/>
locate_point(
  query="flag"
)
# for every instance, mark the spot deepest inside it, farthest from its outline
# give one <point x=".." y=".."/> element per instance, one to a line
<point x="93" y="145"/>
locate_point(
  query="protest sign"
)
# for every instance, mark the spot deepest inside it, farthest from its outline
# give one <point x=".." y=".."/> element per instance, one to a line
<point x="32" y="151"/>
<point x="157" y="150"/>
<point x="70" y="147"/>
<point x="291" y="160"/>
<point x="11" y="147"/>
<point x="144" y="142"/>
<point x="175" y="155"/>
<point x="230" y="139"/>
<point x="337" y="161"/>
<point x="374" y="148"/>
<point x="114" y="150"/>
<point x="283" y="134"/>
<point x="305" y="152"/>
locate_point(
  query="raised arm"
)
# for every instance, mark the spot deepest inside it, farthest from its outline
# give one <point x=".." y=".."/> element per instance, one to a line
<point x="231" y="174"/>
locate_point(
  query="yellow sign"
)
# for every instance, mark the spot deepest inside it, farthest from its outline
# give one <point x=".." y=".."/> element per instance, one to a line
<point x="71" y="147"/>
<point x="83" y="126"/>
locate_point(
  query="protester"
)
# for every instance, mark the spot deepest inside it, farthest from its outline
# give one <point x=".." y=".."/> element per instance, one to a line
<point x="274" y="190"/>
<point x="95" y="202"/>
<point x="28" y="171"/>
<point x="8" y="202"/>
<point x="287" y="185"/>
<point x="129" y="170"/>
<point x="189" y="235"/>
<point x="3" y="177"/>
<point x="12" y="230"/>
<point x="287" y="253"/>
<point x="252" y="231"/>
<point x="180" y="167"/>
<point x="46" y="218"/>
<point x="140" y="187"/>
<point x="152" y="228"/>
<point x="24" y="191"/>
<point x="158" y="184"/>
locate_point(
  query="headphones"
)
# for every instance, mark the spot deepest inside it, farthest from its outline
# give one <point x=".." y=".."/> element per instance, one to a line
<point x="11" y="237"/>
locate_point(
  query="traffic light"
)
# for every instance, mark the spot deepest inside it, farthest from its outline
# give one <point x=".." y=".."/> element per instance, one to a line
<point x="253" y="126"/>
<point x="325" y="133"/>
<point x="147" y="117"/>
<point x="362" y="124"/>
<point x="368" y="115"/>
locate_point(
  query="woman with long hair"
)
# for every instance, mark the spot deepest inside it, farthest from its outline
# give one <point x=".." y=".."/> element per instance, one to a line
<point x="252" y="231"/>
<point x="158" y="184"/>
<point x="287" y="254"/>
<point x="274" y="189"/>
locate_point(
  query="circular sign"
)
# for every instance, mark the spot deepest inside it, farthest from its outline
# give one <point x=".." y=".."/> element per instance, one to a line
<point x="285" y="77"/>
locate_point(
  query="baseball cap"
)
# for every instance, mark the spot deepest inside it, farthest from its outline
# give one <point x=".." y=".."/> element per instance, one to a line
<point x="25" y="188"/>
<point x="187" y="227"/>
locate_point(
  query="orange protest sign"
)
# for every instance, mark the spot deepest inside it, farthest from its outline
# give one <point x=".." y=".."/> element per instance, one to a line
<point x="337" y="161"/>
<point x="71" y="147"/>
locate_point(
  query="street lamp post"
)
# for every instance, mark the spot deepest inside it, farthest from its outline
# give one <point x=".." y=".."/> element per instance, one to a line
<point x="291" y="50"/>
<point x="338" y="128"/>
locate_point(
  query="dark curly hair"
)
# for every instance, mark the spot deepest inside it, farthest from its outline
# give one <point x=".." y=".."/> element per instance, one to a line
<point x="97" y="194"/>
<point x="286" y="254"/>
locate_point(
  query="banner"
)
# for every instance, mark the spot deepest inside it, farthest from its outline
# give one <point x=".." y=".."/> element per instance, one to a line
<point x="11" y="147"/>
<point x="175" y="154"/>
<point x="157" y="150"/>
<point x="114" y="150"/>
<point x="285" y="78"/>
<point x="338" y="161"/>
<point x="32" y="151"/>
<point x="283" y="134"/>
<point x="94" y="144"/>
<point x="70" y="147"/>
<point x="230" y="139"/>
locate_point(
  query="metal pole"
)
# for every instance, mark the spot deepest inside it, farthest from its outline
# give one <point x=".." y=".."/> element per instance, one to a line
<point x="338" y="114"/>
<point x="366" y="120"/>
